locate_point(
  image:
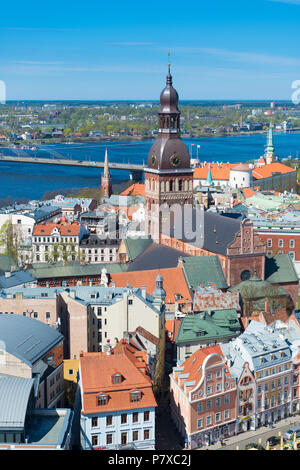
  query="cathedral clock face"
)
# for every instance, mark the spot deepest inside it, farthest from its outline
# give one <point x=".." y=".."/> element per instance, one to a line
<point x="153" y="160"/>
<point x="175" y="160"/>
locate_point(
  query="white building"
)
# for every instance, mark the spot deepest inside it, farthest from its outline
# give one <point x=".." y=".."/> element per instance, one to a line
<point x="241" y="176"/>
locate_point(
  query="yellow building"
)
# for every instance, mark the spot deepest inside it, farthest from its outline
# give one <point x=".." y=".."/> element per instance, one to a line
<point x="70" y="380"/>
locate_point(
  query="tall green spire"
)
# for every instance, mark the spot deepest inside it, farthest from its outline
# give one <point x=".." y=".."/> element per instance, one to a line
<point x="270" y="146"/>
<point x="209" y="179"/>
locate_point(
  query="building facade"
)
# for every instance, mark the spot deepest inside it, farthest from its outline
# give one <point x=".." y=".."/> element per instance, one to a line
<point x="118" y="404"/>
<point x="203" y="398"/>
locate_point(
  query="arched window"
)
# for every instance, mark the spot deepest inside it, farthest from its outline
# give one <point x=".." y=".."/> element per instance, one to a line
<point x="180" y="185"/>
<point x="171" y="185"/>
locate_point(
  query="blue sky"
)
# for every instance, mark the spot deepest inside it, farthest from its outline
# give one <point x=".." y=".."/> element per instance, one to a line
<point x="118" y="50"/>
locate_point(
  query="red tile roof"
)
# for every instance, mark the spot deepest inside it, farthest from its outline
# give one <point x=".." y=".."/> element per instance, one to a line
<point x="193" y="363"/>
<point x="266" y="171"/>
<point x="173" y="281"/>
<point x="172" y="327"/>
<point x="136" y="189"/>
<point x="96" y="371"/>
<point x="64" y="227"/>
<point x="248" y="192"/>
<point x="219" y="171"/>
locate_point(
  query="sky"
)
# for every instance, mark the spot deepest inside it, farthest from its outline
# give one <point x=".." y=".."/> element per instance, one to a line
<point x="96" y="50"/>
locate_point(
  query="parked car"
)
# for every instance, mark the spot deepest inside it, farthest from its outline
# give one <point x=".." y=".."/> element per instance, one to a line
<point x="289" y="434"/>
<point x="274" y="440"/>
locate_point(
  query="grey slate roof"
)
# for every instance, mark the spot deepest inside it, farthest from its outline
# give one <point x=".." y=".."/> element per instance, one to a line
<point x="214" y="232"/>
<point x="14" y="393"/>
<point x="27" y="338"/>
<point x="156" y="257"/>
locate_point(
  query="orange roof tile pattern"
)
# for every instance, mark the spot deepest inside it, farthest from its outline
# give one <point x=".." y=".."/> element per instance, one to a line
<point x="193" y="363"/>
<point x="63" y="226"/>
<point x="248" y="192"/>
<point x="173" y="279"/>
<point x="219" y="171"/>
<point x="172" y="327"/>
<point x="136" y="189"/>
<point x="97" y="370"/>
<point x="266" y="171"/>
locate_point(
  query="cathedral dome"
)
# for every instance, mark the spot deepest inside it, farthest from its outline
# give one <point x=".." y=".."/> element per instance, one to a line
<point x="168" y="153"/>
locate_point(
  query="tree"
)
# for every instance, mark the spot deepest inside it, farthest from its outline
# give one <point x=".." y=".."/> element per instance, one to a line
<point x="9" y="240"/>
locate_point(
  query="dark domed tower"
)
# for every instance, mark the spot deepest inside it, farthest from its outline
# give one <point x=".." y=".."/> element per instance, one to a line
<point x="168" y="175"/>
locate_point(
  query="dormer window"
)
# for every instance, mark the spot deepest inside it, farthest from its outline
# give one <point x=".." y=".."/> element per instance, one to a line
<point x="116" y="378"/>
<point x="200" y="333"/>
<point x="102" y="400"/>
<point x="135" y="396"/>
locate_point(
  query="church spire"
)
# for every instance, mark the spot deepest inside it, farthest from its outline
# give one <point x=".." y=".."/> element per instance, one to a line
<point x="270" y="154"/>
<point x="106" y="183"/>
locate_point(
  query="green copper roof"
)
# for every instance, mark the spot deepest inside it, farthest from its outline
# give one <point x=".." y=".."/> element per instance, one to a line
<point x="56" y="270"/>
<point x="270" y="146"/>
<point x="280" y="268"/>
<point x="204" y="326"/>
<point x="203" y="270"/>
<point x="6" y="262"/>
<point x="136" y="246"/>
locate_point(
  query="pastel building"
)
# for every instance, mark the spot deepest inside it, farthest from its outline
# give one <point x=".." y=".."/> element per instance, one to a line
<point x="117" y="401"/>
<point x="203" y="398"/>
<point x="53" y="242"/>
<point x="240" y="176"/>
<point x="265" y="383"/>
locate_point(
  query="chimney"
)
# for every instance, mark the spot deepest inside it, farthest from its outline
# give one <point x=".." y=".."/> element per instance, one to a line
<point x="113" y="284"/>
<point x="7" y="274"/>
<point x="267" y="306"/>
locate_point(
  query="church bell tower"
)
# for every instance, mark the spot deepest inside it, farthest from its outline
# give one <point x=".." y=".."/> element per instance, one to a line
<point x="168" y="175"/>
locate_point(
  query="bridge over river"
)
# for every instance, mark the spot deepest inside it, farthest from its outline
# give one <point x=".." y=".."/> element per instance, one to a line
<point x="135" y="170"/>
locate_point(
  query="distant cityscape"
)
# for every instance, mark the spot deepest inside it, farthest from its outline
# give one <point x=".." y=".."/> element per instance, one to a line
<point x="162" y="317"/>
<point x="24" y="123"/>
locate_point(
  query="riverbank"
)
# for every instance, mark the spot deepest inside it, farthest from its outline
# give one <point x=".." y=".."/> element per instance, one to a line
<point x="136" y="138"/>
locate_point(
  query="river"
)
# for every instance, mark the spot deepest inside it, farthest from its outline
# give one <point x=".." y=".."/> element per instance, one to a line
<point x="32" y="181"/>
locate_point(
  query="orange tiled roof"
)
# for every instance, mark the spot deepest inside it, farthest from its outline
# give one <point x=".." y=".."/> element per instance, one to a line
<point x="96" y="373"/>
<point x="172" y="326"/>
<point x="193" y="363"/>
<point x="173" y="280"/>
<point x="64" y="227"/>
<point x="248" y="192"/>
<point x="266" y="171"/>
<point x="219" y="171"/>
<point x="136" y="189"/>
